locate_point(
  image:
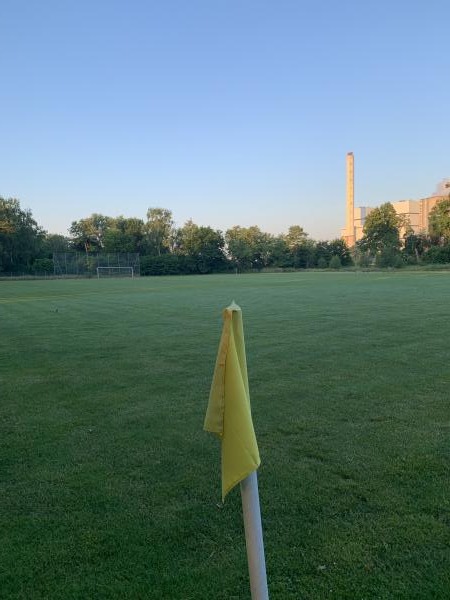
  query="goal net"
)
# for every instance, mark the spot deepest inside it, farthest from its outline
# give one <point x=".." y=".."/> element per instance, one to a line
<point x="115" y="272"/>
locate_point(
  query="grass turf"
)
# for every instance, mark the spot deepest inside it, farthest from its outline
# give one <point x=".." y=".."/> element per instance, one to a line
<point x="110" y="489"/>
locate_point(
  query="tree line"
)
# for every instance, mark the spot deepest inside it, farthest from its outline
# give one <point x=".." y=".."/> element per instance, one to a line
<point x="166" y="249"/>
<point x="163" y="247"/>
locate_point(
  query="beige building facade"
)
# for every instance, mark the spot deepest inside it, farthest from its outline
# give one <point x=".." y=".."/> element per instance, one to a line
<point x="415" y="211"/>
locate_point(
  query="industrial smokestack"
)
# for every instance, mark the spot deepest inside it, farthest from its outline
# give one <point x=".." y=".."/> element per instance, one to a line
<point x="350" y="226"/>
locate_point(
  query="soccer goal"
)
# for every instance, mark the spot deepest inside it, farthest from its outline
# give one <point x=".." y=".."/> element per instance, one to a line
<point x="115" y="272"/>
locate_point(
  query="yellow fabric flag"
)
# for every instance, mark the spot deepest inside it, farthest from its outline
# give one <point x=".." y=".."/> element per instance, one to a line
<point x="228" y="414"/>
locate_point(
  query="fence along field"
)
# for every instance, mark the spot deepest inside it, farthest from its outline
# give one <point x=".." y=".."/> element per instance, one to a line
<point x="110" y="489"/>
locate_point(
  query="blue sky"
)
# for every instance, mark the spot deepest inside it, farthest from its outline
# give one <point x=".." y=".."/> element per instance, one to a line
<point x="224" y="111"/>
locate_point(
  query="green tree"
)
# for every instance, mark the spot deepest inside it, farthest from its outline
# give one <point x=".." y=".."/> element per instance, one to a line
<point x="339" y="248"/>
<point x="20" y="236"/>
<point x="238" y="248"/>
<point x="295" y="237"/>
<point x="280" y="255"/>
<point x="124" y="235"/>
<point x="439" y="222"/>
<point x="115" y="240"/>
<point x="53" y="242"/>
<point x="321" y="254"/>
<point x="203" y="245"/>
<point x="389" y="257"/>
<point x="88" y="234"/>
<point x="43" y="265"/>
<point x="249" y="247"/>
<point x="160" y="230"/>
<point x="304" y="255"/>
<point x="381" y="233"/>
<point x="335" y="262"/>
<point x="414" y="246"/>
<point x="301" y="249"/>
<point x="328" y="249"/>
<point x="437" y="254"/>
<point x="133" y="228"/>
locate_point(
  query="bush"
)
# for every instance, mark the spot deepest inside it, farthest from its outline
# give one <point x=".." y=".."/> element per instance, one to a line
<point x="437" y="254"/>
<point x="322" y="263"/>
<point x="166" y="264"/>
<point x="335" y="262"/>
<point x="409" y="259"/>
<point x="43" y="265"/>
<point x="389" y="257"/>
<point x="398" y="262"/>
<point x="176" y="264"/>
<point x="361" y="258"/>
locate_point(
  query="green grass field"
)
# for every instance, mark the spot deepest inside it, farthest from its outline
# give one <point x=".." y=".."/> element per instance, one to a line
<point x="109" y="488"/>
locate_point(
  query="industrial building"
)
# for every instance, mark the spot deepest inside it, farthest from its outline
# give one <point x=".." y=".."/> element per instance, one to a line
<point x="416" y="211"/>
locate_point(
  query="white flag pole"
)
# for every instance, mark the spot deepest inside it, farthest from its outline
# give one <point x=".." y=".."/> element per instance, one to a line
<point x="254" y="537"/>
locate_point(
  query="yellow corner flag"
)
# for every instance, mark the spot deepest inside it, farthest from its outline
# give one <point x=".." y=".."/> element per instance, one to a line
<point x="228" y="414"/>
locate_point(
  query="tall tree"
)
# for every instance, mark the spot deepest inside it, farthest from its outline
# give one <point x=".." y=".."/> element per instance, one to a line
<point x="280" y="255"/>
<point x="238" y="248"/>
<point x="249" y="247"/>
<point x="304" y="255"/>
<point x="439" y="222"/>
<point x="160" y="229"/>
<point x="296" y="236"/>
<point x="328" y="249"/>
<point x="381" y="231"/>
<point x="88" y="234"/>
<point x="20" y="236"/>
<point x="302" y="250"/>
<point x="53" y="242"/>
<point x="340" y="249"/>
<point x="124" y="235"/>
<point x="415" y="245"/>
<point x="204" y="245"/>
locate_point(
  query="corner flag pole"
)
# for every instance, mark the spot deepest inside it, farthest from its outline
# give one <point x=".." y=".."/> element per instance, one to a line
<point x="229" y="416"/>
<point x="254" y="537"/>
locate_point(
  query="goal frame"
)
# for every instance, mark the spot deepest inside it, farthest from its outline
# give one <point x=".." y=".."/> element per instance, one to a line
<point x="129" y="269"/>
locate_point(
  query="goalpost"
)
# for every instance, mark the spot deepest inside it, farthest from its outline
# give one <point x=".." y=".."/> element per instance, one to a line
<point x="115" y="272"/>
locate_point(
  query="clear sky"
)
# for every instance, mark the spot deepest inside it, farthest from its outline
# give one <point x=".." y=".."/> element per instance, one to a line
<point x="224" y="111"/>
